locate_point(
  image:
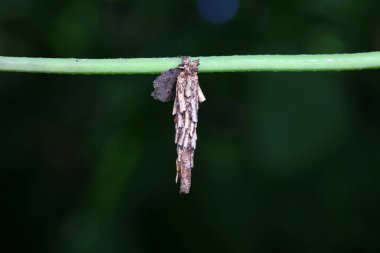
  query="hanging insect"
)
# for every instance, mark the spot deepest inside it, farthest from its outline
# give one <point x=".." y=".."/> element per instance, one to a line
<point x="182" y="85"/>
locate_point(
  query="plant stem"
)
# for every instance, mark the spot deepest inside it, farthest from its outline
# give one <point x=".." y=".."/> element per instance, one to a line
<point x="322" y="62"/>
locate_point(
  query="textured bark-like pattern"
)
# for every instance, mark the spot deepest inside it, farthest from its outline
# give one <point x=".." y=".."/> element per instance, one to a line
<point x="186" y="104"/>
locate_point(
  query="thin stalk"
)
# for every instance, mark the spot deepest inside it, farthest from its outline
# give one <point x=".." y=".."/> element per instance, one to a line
<point x="321" y="62"/>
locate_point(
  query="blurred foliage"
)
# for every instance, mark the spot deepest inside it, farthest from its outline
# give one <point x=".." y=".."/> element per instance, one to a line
<point x="286" y="162"/>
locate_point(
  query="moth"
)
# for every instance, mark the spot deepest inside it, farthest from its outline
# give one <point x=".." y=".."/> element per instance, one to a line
<point x="164" y="85"/>
<point x="182" y="85"/>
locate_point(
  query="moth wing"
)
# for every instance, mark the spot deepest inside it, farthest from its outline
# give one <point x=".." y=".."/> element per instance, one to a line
<point x="164" y="85"/>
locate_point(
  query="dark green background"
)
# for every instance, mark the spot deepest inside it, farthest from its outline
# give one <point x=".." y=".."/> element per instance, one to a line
<point x="286" y="162"/>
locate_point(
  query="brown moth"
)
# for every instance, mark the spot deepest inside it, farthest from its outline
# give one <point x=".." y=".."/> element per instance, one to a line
<point x="187" y="95"/>
<point x="164" y="85"/>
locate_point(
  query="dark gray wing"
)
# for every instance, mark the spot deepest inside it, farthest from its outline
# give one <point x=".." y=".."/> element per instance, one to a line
<point x="164" y="85"/>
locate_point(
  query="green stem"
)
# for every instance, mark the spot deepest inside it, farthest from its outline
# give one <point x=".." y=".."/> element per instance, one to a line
<point x="322" y="62"/>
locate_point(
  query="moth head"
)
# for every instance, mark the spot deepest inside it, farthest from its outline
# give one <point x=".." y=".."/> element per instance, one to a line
<point x="193" y="66"/>
<point x="185" y="61"/>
